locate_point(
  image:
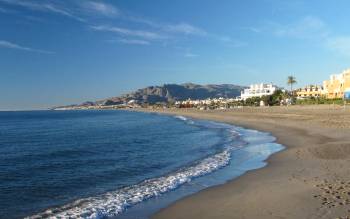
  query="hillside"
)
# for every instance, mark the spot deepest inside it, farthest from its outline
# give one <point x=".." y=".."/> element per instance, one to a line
<point x="172" y="92"/>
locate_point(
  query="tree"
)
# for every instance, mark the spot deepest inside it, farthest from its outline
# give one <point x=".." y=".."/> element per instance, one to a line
<point x="274" y="99"/>
<point x="253" y="101"/>
<point x="290" y="81"/>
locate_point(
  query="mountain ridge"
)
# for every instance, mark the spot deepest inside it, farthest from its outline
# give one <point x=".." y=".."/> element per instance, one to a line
<point x="168" y="93"/>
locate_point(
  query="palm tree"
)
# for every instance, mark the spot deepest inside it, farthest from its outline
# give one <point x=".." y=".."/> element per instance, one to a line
<point x="290" y="81"/>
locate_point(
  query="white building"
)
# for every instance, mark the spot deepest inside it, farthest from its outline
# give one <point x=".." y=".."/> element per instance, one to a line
<point x="258" y="90"/>
<point x="206" y="102"/>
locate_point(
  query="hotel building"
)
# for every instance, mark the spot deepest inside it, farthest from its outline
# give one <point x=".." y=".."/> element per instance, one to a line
<point x="338" y="85"/>
<point x="258" y="90"/>
<point x="310" y="91"/>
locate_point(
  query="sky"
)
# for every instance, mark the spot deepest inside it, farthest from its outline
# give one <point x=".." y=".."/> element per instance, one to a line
<point x="59" y="52"/>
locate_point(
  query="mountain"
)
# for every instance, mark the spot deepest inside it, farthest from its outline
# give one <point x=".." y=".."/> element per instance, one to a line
<point x="172" y="92"/>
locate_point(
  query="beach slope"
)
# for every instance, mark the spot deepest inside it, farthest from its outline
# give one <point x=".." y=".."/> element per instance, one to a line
<point x="310" y="179"/>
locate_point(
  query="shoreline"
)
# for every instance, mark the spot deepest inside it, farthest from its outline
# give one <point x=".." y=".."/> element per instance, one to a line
<point x="295" y="181"/>
<point x="258" y="147"/>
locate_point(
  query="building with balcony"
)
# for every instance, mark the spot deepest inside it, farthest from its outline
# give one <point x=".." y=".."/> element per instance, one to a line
<point x="258" y="90"/>
<point x="337" y="85"/>
<point x="310" y="91"/>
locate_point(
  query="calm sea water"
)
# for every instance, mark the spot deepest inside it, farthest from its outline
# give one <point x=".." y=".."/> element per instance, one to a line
<point x="98" y="164"/>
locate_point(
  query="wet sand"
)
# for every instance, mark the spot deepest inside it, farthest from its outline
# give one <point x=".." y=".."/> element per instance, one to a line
<point x="310" y="179"/>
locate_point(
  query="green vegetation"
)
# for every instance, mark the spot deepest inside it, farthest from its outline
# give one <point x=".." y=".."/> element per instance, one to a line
<point x="320" y="100"/>
<point x="283" y="98"/>
<point x="253" y="101"/>
<point x="277" y="98"/>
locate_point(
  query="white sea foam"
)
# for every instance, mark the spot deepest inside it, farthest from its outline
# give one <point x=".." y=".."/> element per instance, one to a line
<point x="187" y="120"/>
<point x="181" y="118"/>
<point x="113" y="203"/>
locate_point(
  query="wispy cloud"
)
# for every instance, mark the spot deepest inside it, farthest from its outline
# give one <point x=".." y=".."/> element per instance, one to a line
<point x="190" y="55"/>
<point x="253" y="29"/>
<point x="133" y="42"/>
<point x="141" y="20"/>
<point x="2" y="10"/>
<point x="308" y="27"/>
<point x="44" y="7"/>
<point x="100" y="8"/>
<point x="314" y="28"/>
<point x="184" y="28"/>
<point x="77" y="10"/>
<point x="339" y="44"/>
<point x="147" y="30"/>
<point x="10" y="45"/>
<point x="231" y="42"/>
<point x="166" y="32"/>
<point x="129" y="32"/>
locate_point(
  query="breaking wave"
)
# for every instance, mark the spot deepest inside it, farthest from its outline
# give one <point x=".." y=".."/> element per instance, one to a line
<point x="115" y="202"/>
<point x="189" y="121"/>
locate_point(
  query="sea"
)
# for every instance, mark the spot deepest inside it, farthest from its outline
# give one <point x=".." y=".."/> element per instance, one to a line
<point x="116" y="164"/>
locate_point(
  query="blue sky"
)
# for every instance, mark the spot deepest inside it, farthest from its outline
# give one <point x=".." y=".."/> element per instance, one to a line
<point x="69" y="51"/>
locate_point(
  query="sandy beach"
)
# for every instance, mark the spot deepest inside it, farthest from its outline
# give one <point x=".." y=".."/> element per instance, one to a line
<point x="310" y="179"/>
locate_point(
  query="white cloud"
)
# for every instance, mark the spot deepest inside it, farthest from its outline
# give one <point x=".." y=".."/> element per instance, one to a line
<point x="191" y="55"/>
<point x="101" y="8"/>
<point x="142" y="20"/>
<point x="308" y="28"/>
<point x="184" y="28"/>
<point x="339" y="44"/>
<point x="313" y="28"/>
<point x="253" y="29"/>
<point x="44" y="7"/>
<point x="129" y="32"/>
<point x="9" y="45"/>
<point x="231" y="42"/>
<point x="82" y="10"/>
<point x="133" y="42"/>
<point x="2" y="10"/>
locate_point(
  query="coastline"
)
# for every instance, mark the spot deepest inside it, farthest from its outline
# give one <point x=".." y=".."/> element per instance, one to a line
<point x="303" y="181"/>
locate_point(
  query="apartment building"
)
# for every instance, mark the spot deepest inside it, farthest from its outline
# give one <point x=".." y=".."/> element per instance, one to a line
<point x="310" y="91"/>
<point x="338" y="85"/>
<point x="258" y="90"/>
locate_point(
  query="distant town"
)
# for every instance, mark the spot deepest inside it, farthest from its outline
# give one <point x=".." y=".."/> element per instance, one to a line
<point x="336" y="90"/>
